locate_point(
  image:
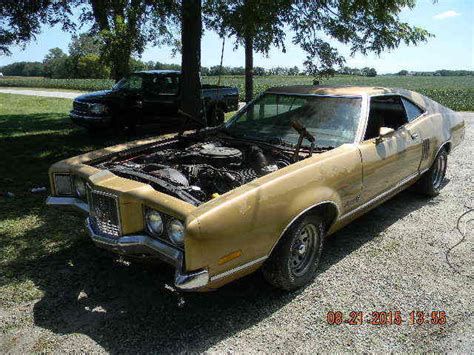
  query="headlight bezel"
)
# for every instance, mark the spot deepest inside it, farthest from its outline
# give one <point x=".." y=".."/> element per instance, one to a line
<point x="68" y="185"/>
<point x="166" y="234"/>
<point x="177" y="240"/>
<point x="159" y="231"/>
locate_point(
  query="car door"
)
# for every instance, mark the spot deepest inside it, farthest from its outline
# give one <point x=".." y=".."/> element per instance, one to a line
<point x="160" y="98"/>
<point x="389" y="161"/>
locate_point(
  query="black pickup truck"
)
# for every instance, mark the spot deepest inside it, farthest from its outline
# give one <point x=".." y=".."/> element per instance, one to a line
<point x="146" y="97"/>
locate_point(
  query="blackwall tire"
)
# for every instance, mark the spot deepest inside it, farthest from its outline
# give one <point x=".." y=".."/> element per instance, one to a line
<point x="431" y="182"/>
<point x="294" y="261"/>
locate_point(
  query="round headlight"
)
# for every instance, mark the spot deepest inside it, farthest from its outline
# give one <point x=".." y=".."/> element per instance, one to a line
<point x="79" y="187"/>
<point x="154" y="222"/>
<point x="176" y="232"/>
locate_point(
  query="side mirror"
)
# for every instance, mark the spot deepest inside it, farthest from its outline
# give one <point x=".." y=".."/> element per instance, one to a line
<point x="385" y="131"/>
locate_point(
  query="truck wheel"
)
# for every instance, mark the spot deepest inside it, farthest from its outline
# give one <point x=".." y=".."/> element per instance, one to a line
<point x="294" y="261"/>
<point x="431" y="182"/>
<point x="215" y="116"/>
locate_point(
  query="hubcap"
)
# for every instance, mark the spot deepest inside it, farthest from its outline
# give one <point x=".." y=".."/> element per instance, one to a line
<point x="439" y="171"/>
<point x="302" y="249"/>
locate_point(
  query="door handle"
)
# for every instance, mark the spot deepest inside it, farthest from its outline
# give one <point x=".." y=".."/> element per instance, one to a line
<point x="414" y="136"/>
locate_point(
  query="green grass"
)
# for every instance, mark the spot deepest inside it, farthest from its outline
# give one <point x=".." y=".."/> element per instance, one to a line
<point x="454" y="92"/>
<point x="34" y="133"/>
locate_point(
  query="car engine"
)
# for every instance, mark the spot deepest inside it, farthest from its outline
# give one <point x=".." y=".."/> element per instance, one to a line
<point x="199" y="171"/>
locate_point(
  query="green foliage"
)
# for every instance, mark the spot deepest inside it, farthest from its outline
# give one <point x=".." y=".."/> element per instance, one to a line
<point x="57" y="64"/>
<point x="23" y="69"/>
<point x="90" y="66"/>
<point x="84" y="44"/>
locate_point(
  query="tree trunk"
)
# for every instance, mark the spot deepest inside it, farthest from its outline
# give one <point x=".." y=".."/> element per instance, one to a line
<point x="248" y="68"/>
<point x="191" y="28"/>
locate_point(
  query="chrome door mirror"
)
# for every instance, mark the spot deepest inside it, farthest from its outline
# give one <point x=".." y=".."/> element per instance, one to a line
<point x="384" y="132"/>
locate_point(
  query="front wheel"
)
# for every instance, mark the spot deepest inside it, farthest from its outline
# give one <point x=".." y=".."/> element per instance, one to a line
<point x="432" y="181"/>
<point x="294" y="261"/>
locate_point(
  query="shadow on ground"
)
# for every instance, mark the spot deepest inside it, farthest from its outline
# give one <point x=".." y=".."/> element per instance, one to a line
<point x="129" y="307"/>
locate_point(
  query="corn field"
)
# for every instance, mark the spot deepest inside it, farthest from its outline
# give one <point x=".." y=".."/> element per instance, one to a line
<point x="455" y="92"/>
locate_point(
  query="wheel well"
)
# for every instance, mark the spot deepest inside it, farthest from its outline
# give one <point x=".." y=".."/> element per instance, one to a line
<point x="328" y="210"/>
<point x="447" y="146"/>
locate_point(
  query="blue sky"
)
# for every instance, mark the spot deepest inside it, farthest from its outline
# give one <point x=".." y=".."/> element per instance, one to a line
<point x="451" y="21"/>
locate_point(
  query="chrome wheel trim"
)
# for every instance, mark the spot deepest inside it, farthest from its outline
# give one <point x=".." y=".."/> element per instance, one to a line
<point x="302" y="250"/>
<point x="439" y="171"/>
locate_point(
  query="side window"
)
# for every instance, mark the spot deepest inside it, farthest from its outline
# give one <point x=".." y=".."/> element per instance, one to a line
<point x="385" y="111"/>
<point x="162" y="85"/>
<point x="412" y="110"/>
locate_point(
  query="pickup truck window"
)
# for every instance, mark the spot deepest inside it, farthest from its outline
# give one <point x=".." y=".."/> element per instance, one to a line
<point x="131" y="83"/>
<point x="162" y="85"/>
<point x="333" y="120"/>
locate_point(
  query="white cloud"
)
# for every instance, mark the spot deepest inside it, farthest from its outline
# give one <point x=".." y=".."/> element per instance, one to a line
<point x="446" y="14"/>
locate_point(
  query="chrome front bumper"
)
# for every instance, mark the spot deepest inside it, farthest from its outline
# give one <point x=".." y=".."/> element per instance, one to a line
<point x="140" y="245"/>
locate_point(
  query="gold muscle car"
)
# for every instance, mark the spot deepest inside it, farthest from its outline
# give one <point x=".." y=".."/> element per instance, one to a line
<point x="264" y="189"/>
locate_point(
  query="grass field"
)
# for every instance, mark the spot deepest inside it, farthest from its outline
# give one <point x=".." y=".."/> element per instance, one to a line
<point x="454" y="92"/>
<point x="34" y="133"/>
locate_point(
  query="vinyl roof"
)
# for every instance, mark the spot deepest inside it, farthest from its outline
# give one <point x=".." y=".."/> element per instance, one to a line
<point x="333" y="90"/>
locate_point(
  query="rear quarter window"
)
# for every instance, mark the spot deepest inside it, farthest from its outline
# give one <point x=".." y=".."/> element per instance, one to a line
<point x="412" y="110"/>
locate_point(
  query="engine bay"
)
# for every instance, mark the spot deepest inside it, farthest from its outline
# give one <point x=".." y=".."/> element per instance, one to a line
<point x="197" y="170"/>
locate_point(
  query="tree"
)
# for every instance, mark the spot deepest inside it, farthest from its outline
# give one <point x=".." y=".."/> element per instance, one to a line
<point x="255" y="24"/>
<point x="124" y="27"/>
<point x="191" y="28"/>
<point x="84" y="44"/>
<point x="403" y="72"/>
<point x="89" y="66"/>
<point x="372" y="72"/>
<point x="365" y="26"/>
<point x="23" y="69"/>
<point x="21" y="20"/>
<point x="57" y="64"/>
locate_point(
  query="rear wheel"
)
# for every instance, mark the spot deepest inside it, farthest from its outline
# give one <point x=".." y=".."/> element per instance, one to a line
<point x="432" y="181"/>
<point x="294" y="261"/>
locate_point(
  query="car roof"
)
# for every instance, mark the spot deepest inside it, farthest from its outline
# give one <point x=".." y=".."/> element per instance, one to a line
<point x="342" y="90"/>
<point x="157" y="72"/>
<point x="333" y="90"/>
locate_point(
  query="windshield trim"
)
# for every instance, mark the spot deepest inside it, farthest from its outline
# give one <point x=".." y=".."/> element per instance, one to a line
<point x="362" y="115"/>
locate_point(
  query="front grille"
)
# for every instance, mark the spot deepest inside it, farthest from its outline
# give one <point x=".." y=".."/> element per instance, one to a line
<point x="104" y="213"/>
<point x="80" y="106"/>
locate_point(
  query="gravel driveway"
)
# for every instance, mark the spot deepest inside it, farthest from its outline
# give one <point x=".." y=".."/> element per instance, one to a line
<point x="392" y="259"/>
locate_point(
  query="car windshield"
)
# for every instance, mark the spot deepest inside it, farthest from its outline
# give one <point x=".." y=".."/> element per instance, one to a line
<point x="133" y="82"/>
<point x="332" y="120"/>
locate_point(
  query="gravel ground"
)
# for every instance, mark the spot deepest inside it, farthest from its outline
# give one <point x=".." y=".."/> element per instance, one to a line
<point x="392" y="259"/>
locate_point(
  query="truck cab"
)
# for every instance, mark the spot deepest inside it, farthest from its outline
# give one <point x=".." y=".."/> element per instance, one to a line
<point x="149" y="97"/>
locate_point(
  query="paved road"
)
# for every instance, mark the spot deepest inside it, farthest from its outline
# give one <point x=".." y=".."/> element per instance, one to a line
<point x="45" y="93"/>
